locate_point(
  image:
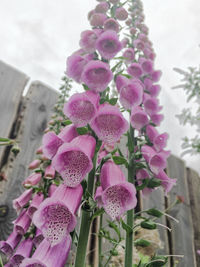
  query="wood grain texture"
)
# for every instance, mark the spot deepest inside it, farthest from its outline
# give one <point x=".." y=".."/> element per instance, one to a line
<point x="193" y="181"/>
<point x="38" y="106"/>
<point x="182" y="233"/>
<point x="12" y="84"/>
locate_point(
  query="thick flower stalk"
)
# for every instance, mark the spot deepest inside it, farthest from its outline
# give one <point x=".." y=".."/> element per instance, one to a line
<point x="78" y="163"/>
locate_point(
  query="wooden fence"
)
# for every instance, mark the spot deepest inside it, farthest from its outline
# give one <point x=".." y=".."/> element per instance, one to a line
<point x="26" y="117"/>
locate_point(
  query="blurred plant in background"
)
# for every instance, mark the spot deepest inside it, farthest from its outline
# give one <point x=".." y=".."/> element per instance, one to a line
<point x="191" y="115"/>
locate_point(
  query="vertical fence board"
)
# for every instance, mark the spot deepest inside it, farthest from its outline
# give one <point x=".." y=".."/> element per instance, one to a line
<point x="12" y="83"/>
<point x="38" y="108"/>
<point x="193" y="181"/>
<point x="157" y="200"/>
<point x="182" y="233"/>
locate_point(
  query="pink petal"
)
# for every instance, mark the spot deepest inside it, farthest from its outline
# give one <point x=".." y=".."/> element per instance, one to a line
<point x="108" y="44"/>
<point x="97" y="75"/>
<point x="109" y="124"/>
<point x="50" y="144"/>
<point x="81" y="108"/>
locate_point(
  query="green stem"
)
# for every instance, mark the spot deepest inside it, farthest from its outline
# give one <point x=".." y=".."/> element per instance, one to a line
<point x="100" y="241"/>
<point x="85" y="222"/>
<point x="130" y="213"/>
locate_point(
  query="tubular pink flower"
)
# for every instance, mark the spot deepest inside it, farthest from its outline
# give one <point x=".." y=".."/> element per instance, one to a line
<point x="118" y="195"/>
<point x="97" y="19"/>
<point x="23" y="250"/>
<point x="139" y="44"/>
<point x="32" y="179"/>
<point x="148" y="83"/>
<point x="155" y="75"/>
<point x="102" y="7"/>
<point x="39" y="150"/>
<point x="157" y="118"/>
<point x="97" y="75"/>
<point x="129" y="54"/>
<point x="132" y="29"/>
<point x="68" y="133"/>
<point x="74" y="160"/>
<point x="108" y="44"/>
<point x="121" y="81"/>
<point x="22" y="223"/>
<point x="141" y="175"/>
<point x="50" y="144"/>
<point x="131" y="94"/>
<point x="154" y="90"/>
<point x="147" y="65"/>
<point x="109" y="124"/>
<point x="55" y="216"/>
<point x="22" y="200"/>
<point x="52" y="189"/>
<point x="48" y="256"/>
<point x="49" y="172"/>
<point x="8" y="246"/>
<point x="135" y="70"/>
<point x="88" y="41"/>
<point x="167" y="182"/>
<point x="75" y="66"/>
<point x="36" y="201"/>
<point x="139" y="118"/>
<point x="81" y="108"/>
<point x="151" y="132"/>
<point x="160" y="141"/>
<point x="142" y="37"/>
<point x="34" y="164"/>
<point x="147" y="152"/>
<point x="157" y="163"/>
<point x="121" y="13"/>
<point x="111" y="24"/>
<point x="38" y="238"/>
<point x="151" y="106"/>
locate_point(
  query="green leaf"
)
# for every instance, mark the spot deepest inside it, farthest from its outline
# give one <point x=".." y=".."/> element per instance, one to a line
<point x="126" y="75"/>
<point x="142" y="243"/>
<point x="82" y="130"/>
<point x="157" y="261"/>
<point x="67" y="122"/>
<point x="148" y="225"/>
<point x="114" y="252"/>
<point x="153" y="182"/>
<point x="126" y="227"/>
<point x="97" y="213"/>
<point x="139" y="165"/>
<point x="154" y="212"/>
<point x="116" y="66"/>
<point x="2" y="139"/>
<point x="102" y="100"/>
<point x="86" y="88"/>
<point x="143" y="185"/>
<point x="113" y="101"/>
<point x="115" y="228"/>
<point x="120" y="160"/>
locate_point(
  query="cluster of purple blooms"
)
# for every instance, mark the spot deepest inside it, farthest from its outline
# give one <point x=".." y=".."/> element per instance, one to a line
<point x="52" y="216"/>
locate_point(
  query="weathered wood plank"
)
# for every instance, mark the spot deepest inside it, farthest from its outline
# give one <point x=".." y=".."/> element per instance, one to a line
<point x="157" y="200"/>
<point x="193" y="181"/>
<point x="37" y="110"/>
<point x="12" y="83"/>
<point x="182" y="233"/>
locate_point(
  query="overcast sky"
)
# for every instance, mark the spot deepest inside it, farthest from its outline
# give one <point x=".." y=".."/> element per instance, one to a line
<point x="37" y="35"/>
